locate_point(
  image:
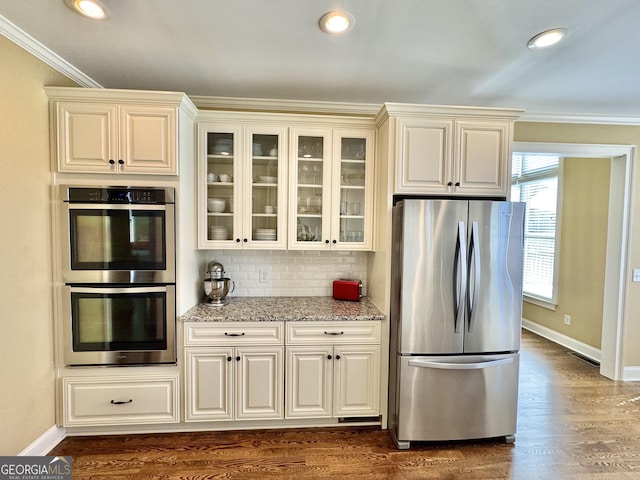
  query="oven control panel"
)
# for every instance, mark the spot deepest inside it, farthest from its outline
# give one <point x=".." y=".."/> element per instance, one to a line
<point x="139" y="195"/>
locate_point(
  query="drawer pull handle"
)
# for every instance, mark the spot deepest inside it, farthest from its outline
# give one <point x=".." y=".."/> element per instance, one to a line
<point x="334" y="333"/>
<point x="113" y="402"/>
<point x="227" y="334"/>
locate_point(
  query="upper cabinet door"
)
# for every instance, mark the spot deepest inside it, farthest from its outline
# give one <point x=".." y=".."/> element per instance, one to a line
<point x="265" y="180"/>
<point x="424" y="156"/>
<point x="87" y="137"/>
<point x="219" y="180"/>
<point x="453" y="156"/>
<point x="484" y="155"/>
<point x="352" y="187"/>
<point x="242" y="175"/>
<point x="147" y="139"/>
<point x="310" y="189"/>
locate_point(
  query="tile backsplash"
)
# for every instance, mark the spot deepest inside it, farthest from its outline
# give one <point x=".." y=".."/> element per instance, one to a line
<point x="284" y="273"/>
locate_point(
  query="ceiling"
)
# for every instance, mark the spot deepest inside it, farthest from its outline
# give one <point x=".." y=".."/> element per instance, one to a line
<point x="462" y="52"/>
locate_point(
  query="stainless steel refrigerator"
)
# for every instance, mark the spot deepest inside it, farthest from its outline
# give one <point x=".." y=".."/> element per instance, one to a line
<point x="456" y="313"/>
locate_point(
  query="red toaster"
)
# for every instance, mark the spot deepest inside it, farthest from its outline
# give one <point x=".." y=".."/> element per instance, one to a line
<point x="347" y="290"/>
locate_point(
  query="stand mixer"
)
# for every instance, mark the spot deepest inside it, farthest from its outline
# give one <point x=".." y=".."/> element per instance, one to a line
<point x="216" y="285"/>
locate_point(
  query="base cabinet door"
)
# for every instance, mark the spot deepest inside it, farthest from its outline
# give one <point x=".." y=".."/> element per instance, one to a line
<point x="309" y="379"/>
<point x="209" y="384"/>
<point x="234" y="383"/>
<point x="259" y="383"/>
<point x="357" y="380"/>
<point x="333" y="381"/>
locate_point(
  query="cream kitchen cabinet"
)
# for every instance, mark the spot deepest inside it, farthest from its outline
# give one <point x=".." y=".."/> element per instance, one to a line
<point x="241" y="178"/>
<point x="331" y="189"/>
<point x="240" y="376"/>
<point x="117" y="131"/>
<point x="332" y="369"/>
<point x="120" y="400"/>
<point x="450" y="150"/>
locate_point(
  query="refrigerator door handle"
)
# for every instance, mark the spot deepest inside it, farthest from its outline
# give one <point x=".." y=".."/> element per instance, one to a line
<point x="474" y="256"/>
<point x="460" y="276"/>
<point x="459" y="366"/>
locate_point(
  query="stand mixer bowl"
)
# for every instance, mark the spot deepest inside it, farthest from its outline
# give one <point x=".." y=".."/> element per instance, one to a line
<point x="216" y="289"/>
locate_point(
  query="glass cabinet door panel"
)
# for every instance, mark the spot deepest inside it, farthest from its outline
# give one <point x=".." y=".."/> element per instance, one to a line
<point x="267" y="178"/>
<point x="353" y="172"/>
<point x="221" y="186"/>
<point x="311" y="203"/>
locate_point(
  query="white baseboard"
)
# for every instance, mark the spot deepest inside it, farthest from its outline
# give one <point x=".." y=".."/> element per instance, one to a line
<point x="568" y="342"/>
<point x="631" y="374"/>
<point x="45" y="443"/>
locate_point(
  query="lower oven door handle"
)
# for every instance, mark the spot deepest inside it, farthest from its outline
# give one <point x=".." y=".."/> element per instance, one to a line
<point x="132" y="289"/>
<point x="459" y="366"/>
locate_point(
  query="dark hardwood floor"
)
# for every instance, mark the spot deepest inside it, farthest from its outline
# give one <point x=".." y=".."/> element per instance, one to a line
<point x="572" y="424"/>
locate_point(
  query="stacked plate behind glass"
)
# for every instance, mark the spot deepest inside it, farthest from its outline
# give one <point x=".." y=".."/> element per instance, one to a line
<point x="218" y="233"/>
<point x="265" y="234"/>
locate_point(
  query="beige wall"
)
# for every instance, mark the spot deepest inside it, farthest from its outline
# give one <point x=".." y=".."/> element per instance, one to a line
<point x="615" y="135"/>
<point x="26" y="363"/>
<point x="582" y="253"/>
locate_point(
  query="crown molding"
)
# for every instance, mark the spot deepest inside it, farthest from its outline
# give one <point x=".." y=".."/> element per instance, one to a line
<point x="284" y="106"/>
<point x="37" y="49"/>
<point x="599" y="119"/>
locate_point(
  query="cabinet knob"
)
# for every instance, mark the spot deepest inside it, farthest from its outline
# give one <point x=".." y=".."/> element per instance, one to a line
<point x="238" y="240"/>
<point x="450" y="184"/>
<point x="326" y="241"/>
<point x="337" y="357"/>
<point x="229" y="359"/>
<point x="112" y="161"/>
<point x="334" y="241"/>
<point x="245" y="240"/>
<point x="457" y="184"/>
<point x="328" y="357"/>
<point x="238" y="358"/>
<point x="121" y="162"/>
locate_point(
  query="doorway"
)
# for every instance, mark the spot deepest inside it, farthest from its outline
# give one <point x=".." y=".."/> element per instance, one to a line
<point x="613" y="322"/>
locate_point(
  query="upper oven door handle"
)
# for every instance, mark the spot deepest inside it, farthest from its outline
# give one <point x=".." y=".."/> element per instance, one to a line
<point x="114" y="206"/>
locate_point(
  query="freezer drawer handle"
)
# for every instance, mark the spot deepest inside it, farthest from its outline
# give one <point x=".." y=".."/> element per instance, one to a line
<point x="334" y="333"/>
<point x="459" y="366"/>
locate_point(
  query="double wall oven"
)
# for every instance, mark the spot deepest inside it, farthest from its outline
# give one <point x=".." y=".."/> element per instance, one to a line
<point x="119" y="272"/>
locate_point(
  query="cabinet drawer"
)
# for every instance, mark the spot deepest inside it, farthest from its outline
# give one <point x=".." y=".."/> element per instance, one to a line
<point x="334" y="333"/>
<point x="120" y="401"/>
<point x="233" y="333"/>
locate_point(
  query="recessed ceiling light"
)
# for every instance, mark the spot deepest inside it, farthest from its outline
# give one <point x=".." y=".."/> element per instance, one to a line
<point x="336" y="22"/>
<point x="548" y="38"/>
<point x="89" y="8"/>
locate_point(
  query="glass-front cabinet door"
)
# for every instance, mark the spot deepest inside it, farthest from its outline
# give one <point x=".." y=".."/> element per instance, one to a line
<point x="310" y="192"/>
<point x="242" y="176"/>
<point x="330" y="189"/>
<point x="352" y="184"/>
<point x="264" y="218"/>
<point x="220" y="151"/>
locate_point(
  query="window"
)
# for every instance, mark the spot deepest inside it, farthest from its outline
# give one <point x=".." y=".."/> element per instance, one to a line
<point x="535" y="182"/>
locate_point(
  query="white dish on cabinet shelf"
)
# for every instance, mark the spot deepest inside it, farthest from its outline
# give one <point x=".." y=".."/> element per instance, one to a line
<point x="267" y="179"/>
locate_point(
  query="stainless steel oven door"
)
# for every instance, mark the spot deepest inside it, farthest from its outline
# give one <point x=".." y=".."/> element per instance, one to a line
<point x="111" y="243"/>
<point x="119" y="325"/>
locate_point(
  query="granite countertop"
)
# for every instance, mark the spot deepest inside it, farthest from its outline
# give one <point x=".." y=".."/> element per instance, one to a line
<point x="290" y="309"/>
